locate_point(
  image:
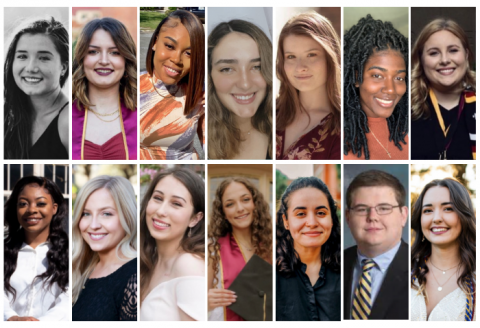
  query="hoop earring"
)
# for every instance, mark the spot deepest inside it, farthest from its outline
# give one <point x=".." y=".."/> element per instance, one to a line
<point x="189" y="234"/>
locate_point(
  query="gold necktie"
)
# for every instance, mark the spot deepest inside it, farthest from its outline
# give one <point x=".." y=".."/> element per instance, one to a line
<point x="362" y="301"/>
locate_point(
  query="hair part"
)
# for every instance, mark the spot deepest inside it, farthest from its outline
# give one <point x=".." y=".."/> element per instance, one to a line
<point x="193" y="244"/>
<point x="288" y="259"/>
<point x="360" y="42"/>
<point x="224" y="137"/>
<point x="318" y="28"/>
<point x="127" y="48"/>
<point x="420" y="83"/>
<point x="84" y="259"/>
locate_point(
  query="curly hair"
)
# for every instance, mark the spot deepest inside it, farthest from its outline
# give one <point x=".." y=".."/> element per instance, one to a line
<point x="288" y="259"/>
<point x="193" y="241"/>
<point x="224" y="137"/>
<point x="57" y="256"/>
<point x="127" y="48"/>
<point x="18" y="112"/>
<point x="261" y="227"/>
<point x="422" y="249"/>
<point x="420" y="84"/>
<point x="360" y="42"/>
<point x="320" y="29"/>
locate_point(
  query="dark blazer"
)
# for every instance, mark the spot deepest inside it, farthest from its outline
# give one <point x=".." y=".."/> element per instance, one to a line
<point x="392" y="299"/>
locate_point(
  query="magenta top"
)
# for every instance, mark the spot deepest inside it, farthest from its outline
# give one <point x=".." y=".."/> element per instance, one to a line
<point x="129" y="128"/>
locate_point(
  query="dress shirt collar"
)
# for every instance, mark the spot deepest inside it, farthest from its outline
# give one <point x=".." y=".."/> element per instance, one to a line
<point x="26" y="246"/>
<point x="382" y="261"/>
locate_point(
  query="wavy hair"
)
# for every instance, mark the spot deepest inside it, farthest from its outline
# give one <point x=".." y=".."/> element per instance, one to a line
<point x="193" y="243"/>
<point x="84" y="259"/>
<point x="127" y="48"/>
<point x="194" y="81"/>
<point x="320" y="29"/>
<point x="422" y="249"/>
<point x="288" y="259"/>
<point x="58" y="254"/>
<point x="261" y="227"/>
<point x="18" y="111"/>
<point x="360" y="42"/>
<point x="224" y="137"/>
<point x="420" y="84"/>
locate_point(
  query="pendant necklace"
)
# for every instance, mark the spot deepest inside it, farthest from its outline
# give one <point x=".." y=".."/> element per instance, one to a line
<point x="386" y="149"/>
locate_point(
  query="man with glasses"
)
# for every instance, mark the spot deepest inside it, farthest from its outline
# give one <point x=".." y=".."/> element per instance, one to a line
<point x="376" y="284"/>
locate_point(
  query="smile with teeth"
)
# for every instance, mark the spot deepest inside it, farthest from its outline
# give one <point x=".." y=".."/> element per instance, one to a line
<point x="172" y="72"/>
<point x="244" y="97"/>
<point x="97" y="236"/>
<point x="383" y="101"/>
<point x="32" y="79"/>
<point x="446" y="71"/>
<point x="104" y="70"/>
<point x="242" y="216"/>
<point x="439" y="229"/>
<point x="32" y="220"/>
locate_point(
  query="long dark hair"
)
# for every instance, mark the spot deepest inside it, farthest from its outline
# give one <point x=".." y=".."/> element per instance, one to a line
<point x="194" y="81"/>
<point x="57" y="255"/>
<point x="287" y="258"/>
<point x="18" y="111"/>
<point x="360" y="42"/>
<point x="422" y="249"/>
<point x="194" y="244"/>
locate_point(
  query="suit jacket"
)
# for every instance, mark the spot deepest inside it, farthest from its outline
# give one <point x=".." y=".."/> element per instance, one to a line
<point x="392" y="299"/>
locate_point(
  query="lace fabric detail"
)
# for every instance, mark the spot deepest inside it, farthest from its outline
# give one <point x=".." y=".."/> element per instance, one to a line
<point x="128" y="309"/>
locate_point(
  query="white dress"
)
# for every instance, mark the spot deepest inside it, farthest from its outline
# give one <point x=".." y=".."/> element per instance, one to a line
<point x="34" y="300"/>
<point x="166" y="300"/>
<point x="450" y="308"/>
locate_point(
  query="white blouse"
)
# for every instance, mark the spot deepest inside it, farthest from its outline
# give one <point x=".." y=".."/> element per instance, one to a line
<point x="35" y="300"/>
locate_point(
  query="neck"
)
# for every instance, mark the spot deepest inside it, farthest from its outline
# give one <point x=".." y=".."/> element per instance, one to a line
<point x="372" y="252"/>
<point x="104" y="100"/>
<point x="167" y="250"/>
<point x="315" y="100"/>
<point x="445" y="257"/>
<point x="46" y="104"/>
<point x="448" y="96"/>
<point x="244" y="124"/>
<point x="35" y="239"/>
<point x="244" y="236"/>
<point x="110" y="257"/>
<point x="309" y="255"/>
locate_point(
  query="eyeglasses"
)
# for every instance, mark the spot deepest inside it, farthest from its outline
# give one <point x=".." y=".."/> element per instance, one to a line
<point x="362" y="210"/>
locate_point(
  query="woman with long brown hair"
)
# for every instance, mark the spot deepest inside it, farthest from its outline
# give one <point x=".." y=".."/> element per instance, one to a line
<point x="240" y="227"/>
<point x="443" y="278"/>
<point x="104" y="115"/>
<point x="308" y="105"/>
<point x="172" y="89"/>
<point x="172" y="252"/>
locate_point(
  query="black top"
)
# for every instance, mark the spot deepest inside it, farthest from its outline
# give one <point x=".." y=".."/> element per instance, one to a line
<point x="110" y="298"/>
<point x="298" y="300"/>
<point x="49" y="145"/>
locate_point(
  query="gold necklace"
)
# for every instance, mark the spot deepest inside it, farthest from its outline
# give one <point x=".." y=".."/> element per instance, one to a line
<point x="386" y="149"/>
<point x="169" y="95"/>
<point x="98" y="114"/>
<point x="101" y="119"/>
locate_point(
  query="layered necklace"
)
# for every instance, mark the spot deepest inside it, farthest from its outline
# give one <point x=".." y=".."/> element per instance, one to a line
<point x="101" y="116"/>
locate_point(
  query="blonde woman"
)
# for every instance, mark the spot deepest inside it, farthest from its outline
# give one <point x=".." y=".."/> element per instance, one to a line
<point x="105" y="251"/>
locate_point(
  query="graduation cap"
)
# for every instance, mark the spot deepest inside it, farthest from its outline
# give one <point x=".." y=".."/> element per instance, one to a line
<point x="253" y="287"/>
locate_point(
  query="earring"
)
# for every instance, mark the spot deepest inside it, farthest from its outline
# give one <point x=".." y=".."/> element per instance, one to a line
<point x="423" y="239"/>
<point x="189" y="233"/>
<point x="153" y="48"/>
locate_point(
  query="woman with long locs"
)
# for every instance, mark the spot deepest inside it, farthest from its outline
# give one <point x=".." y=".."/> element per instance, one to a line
<point x="104" y="265"/>
<point x="443" y="273"/>
<point x="36" y="253"/>
<point x="375" y="91"/>
<point x="308" y="105"/>
<point x="172" y="255"/>
<point x="36" y="69"/>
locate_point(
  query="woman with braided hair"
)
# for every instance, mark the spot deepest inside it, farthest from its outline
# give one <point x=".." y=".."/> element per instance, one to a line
<point x="375" y="91"/>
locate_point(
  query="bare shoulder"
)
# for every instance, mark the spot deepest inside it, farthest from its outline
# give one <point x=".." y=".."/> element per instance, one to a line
<point x="63" y="124"/>
<point x="189" y="264"/>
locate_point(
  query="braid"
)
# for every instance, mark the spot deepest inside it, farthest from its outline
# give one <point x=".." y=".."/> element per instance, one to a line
<point x="360" y="42"/>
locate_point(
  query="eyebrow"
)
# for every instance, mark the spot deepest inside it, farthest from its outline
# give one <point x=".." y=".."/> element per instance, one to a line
<point x="227" y="200"/>
<point x="313" y="49"/>
<point x="385" y="70"/>
<point x="97" y="47"/>
<point x="304" y="208"/>
<point x="235" y="61"/>
<point x="101" y="209"/>
<point x="171" y="39"/>
<point x="443" y="204"/>
<point x="21" y="197"/>
<point x="38" y="52"/>
<point x="174" y="196"/>
<point x="449" y="46"/>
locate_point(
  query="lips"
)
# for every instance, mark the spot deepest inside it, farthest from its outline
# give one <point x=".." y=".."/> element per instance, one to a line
<point x="32" y="79"/>
<point x="373" y="229"/>
<point x="160" y="225"/>
<point x="172" y="72"/>
<point x="313" y="233"/>
<point x="32" y="221"/>
<point x="103" y="71"/>
<point x="97" y="236"/>
<point x="387" y="103"/>
<point x="241" y="216"/>
<point x="244" y="98"/>
<point x="303" y="77"/>
<point x="446" y="71"/>
<point x="439" y="230"/>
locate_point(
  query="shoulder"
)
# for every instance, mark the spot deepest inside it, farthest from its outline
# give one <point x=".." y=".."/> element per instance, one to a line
<point x="350" y="251"/>
<point x="63" y="118"/>
<point x="129" y="269"/>
<point x="189" y="264"/>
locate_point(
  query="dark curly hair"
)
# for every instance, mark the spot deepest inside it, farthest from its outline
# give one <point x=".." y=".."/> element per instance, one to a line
<point x="261" y="226"/>
<point x="360" y="42"/>
<point x="422" y="249"/>
<point x="57" y="255"/>
<point x="287" y="257"/>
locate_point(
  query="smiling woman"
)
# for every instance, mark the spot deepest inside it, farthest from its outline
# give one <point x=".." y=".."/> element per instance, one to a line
<point x="36" y="68"/>
<point x="104" y="118"/>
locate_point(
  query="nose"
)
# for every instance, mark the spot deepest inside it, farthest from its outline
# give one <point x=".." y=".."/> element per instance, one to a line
<point x="95" y="223"/>
<point x="244" y="80"/>
<point x="445" y="58"/>
<point x="240" y="209"/>
<point x="32" y="66"/>
<point x="311" y="222"/>
<point x="32" y="208"/>
<point x="437" y="216"/>
<point x="161" y="209"/>
<point x="389" y="87"/>
<point x="372" y="214"/>
<point x="301" y="66"/>
<point x="104" y="59"/>
<point x="176" y="57"/>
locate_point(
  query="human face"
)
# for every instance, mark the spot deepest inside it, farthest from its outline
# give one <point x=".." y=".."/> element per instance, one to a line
<point x="376" y="234"/>
<point x="383" y="83"/>
<point x="238" y="206"/>
<point x="100" y="223"/>
<point x="172" y="53"/>
<point x="236" y="74"/>
<point x="104" y="66"/>
<point x="444" y="60"/>
<point x="170" y="210"/>
<point x="305" y="63"/>
<point x="35" y="209"/>
<point x="440" y="223"/>
<point x="37" y="66"/>
<point x="309" y="218"/>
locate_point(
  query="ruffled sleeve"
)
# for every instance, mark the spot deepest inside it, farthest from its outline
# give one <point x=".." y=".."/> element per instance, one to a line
<point x="128" y="309"/>
<point x="190" y="294"/>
